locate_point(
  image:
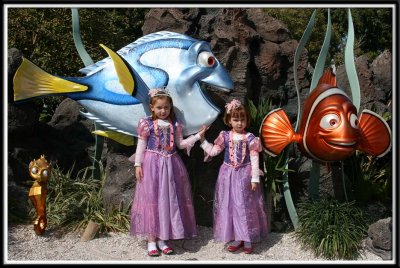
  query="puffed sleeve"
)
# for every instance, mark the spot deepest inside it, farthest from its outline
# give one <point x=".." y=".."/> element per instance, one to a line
<point x="220" y="140"/>
<point x="143" y="129"/>
<point x="143" y="133"/>
<point x="211" y="150"/>
<point x="255" y="145"/>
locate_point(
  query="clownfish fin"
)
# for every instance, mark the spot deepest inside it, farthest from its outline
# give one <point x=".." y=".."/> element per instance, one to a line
<point x="329" y="77"/>
<point x="375" y="134"/>
<point x="276" y="132"/>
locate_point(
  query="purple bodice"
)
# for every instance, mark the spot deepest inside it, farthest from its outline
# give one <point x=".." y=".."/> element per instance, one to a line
<point x="249" y="138"/>
<point x="159" y="144"/>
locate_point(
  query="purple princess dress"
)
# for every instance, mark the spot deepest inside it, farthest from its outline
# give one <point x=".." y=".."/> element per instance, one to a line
<point x="162" y="206"/>
<point x="239" y="213"/>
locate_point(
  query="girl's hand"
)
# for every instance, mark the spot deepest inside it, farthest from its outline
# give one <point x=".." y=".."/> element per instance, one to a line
<point x="138" y="173"/>
<point x="254" y="186"/>
<point x="202" y="132"/>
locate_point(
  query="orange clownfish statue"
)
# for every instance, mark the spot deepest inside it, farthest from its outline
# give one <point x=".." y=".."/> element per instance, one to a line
<point x="329" y="129"/>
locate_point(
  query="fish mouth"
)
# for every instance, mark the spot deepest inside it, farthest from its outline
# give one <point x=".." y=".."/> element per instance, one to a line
<point x="341" y="144"/>
<point x="214" y="95"/>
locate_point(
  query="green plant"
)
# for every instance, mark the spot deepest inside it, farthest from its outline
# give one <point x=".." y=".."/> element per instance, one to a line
<point x="257" y="113"/>
<point x="73" y="202"/>
<point x="271" y="165"/>
<point x="331" y="229"/>
<point x="370" y="177"/>
<point x="49" y="106"/>
<point x="372" y="28"/>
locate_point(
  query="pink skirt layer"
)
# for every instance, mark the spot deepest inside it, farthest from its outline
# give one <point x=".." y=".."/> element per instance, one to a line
<point x="239" y="212"/>
<point x="162" y="206"/>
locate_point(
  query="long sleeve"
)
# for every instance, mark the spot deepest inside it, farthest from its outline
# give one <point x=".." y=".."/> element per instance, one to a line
<point x="212" y="150"/>
<point x="187" y="143"/>
<point x="141" y="146"/>
<point x="255" y="170"/>
<point x="255" y="149"/>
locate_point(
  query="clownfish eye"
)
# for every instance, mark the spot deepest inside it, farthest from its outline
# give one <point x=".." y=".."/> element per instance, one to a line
<point x="206" y="59"/>
<point x="34" y="170"/>
<point x="329" y="121"/>
<point x="354" y="121"/>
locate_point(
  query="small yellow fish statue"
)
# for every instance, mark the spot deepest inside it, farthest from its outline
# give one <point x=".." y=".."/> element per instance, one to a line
<point x="40" y="171"/>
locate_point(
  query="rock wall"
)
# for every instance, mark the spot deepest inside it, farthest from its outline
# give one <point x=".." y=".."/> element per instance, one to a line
<point x="258" y="53"/>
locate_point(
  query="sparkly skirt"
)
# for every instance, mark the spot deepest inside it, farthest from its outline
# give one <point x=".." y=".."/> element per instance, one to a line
<point x="239" y="213"/>
<point x="162" y="206"/>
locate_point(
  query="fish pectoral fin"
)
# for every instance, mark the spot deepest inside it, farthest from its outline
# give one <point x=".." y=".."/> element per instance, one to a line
<point x="124" y="75"/>
<point x="30" y="81"/>
<point x="375" y="134"/>
<point x="276" y="132"/>
<point x="116" y="136"/>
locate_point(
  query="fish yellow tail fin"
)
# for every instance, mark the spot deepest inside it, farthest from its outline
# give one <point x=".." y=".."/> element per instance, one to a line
<point x="118" y="137"/>
<point x="30" y="81"/>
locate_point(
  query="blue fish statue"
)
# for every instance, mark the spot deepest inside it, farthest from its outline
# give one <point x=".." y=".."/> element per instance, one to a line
<point x="114" y="92"/>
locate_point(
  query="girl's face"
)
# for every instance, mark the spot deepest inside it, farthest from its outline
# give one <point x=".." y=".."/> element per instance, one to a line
<point x="238" y="123"/>
<point x="161" y="108"/>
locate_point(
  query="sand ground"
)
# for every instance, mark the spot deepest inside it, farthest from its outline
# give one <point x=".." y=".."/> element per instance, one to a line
<point x="24" y="246"/>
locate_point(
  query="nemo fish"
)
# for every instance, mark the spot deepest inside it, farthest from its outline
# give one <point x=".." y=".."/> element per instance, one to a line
<point x="330" y="129"/>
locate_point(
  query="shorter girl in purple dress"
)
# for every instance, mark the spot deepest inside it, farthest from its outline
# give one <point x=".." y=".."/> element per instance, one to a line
<point x="162" y="207"/>
<point x="239" y="208"/>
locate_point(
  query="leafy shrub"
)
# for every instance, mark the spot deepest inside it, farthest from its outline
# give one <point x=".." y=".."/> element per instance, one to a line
<point x="49" y="106"/>
<point x="271" y="165"/>
<point x="370" y="177"/>
<point x="331" y="229"/>
<point x="73" y="202"/>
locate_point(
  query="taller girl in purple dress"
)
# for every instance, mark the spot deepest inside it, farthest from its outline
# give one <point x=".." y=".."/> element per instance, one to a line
<point x="162" y="207"/>
<point x="239" y="208"/>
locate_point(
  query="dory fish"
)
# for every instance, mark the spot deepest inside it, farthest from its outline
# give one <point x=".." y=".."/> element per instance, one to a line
<point x="114" y="91"/>
<point x="329" y="129"/>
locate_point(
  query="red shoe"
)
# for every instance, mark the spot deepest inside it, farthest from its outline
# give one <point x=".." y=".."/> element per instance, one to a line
<point x="248" y="250"/>
<point x="232" y="248"/>
<point x="153" y="253"/>
<point x="168" y="251"/>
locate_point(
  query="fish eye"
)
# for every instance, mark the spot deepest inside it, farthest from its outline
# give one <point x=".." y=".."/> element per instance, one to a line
<point x="329" y="121"/>
<point x="34" y="170"/>
<point x="206" y="59"/>
<point x="354" y="121"/>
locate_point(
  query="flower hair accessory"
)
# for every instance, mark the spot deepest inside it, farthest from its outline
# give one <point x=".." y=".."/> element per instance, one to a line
<point x="158" y="92"/>
<point x="234" y="104"/>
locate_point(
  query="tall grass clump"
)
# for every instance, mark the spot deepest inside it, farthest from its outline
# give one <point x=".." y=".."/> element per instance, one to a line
<point x="272" y="173"/>
<point x="371" y="177"/>
<point x="72" y="202"/>
<point x="331" y="229"/>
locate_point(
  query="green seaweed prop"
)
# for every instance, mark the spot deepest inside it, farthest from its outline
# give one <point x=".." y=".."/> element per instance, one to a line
<point x="87" y="60"/>
<point x="318" y="72"/>
<point x="329" y="129"/>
